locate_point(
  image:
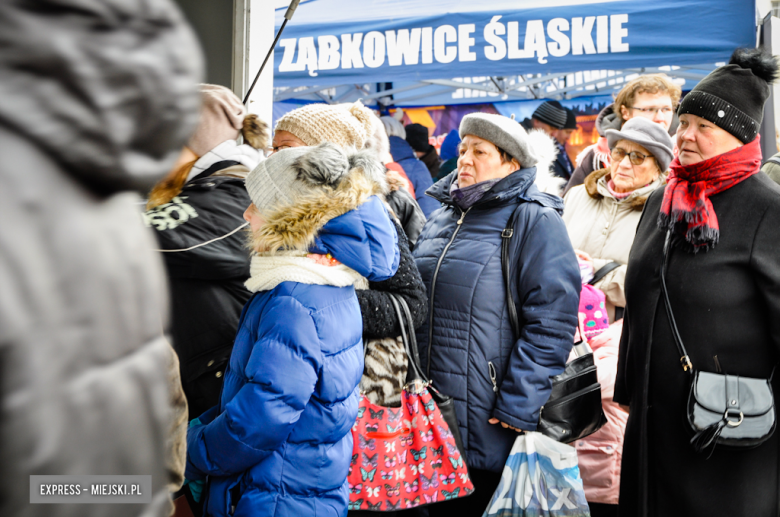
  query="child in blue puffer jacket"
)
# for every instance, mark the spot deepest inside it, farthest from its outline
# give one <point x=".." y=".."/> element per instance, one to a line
<point x="279" y="442"/>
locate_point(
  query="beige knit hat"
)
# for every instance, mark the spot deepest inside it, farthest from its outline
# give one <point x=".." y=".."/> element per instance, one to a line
<point x="221" y="118"/>
<point x="346" y="125"/>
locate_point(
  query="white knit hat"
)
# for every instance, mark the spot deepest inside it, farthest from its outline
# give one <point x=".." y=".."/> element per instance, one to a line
<point x="290" y="173"/>
<point x="346" y="125"/>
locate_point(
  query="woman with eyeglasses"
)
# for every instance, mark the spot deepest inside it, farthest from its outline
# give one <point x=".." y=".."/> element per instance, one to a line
<point x="652" y="96"/>
<point x="601" y="217"/>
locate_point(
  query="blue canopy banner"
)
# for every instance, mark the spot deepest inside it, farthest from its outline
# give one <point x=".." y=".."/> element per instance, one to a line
<point x="333" y="42"/>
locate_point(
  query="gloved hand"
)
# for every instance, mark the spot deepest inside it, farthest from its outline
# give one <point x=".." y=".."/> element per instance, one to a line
<point x="196" y="488"/>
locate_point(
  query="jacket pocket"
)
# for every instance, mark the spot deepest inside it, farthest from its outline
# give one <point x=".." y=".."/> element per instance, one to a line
<point x="598" y="464"/>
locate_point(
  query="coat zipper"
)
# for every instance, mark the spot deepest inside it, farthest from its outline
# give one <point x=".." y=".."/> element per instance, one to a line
<point x="492" y="372"/>
<point x="433" y="290"/>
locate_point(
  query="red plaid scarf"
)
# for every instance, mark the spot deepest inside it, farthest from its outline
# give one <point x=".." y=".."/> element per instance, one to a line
<point x="688" y="190"/>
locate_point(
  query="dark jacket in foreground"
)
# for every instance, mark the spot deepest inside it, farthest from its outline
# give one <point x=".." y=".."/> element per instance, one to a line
<point x="416" y="171"/>
<point x="201" y="233"/>
<point x="726" y="302"/>
<point x="468" y="309"/>
<point x="98" y="98"/>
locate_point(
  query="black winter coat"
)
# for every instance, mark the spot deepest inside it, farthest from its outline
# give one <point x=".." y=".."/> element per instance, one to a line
<point x="408" y="212"/>
<point x="379" y="317"/>
<point x="726" y="303"/>
<point x="203" y="242"/>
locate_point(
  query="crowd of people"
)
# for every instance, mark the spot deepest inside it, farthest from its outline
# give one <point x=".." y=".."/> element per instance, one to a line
<point x="286" y="253"/>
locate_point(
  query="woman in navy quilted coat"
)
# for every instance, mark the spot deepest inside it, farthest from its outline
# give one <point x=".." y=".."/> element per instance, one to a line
<point x="499" y="381"/>
<point x="279" y="442"/>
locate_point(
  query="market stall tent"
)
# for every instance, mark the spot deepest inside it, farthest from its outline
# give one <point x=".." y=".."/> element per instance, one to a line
<point x="406" y="52"/>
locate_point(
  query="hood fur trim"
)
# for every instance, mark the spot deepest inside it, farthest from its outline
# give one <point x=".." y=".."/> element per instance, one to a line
<point x="546" y="151"/>
<point x="591" y="187"/>
<point x="295" y="227"/>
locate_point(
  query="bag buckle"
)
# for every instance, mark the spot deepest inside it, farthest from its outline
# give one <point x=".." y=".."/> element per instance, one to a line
<point x="686" y="363"/>
<point x="731" y="423"/>
<point x="507" y="233"/>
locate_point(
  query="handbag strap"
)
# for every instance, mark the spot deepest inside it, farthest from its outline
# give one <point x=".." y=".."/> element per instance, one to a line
<point x="408" y="337"/>
<point x="687" y="366"/>
<point x="506" y="236"/>
<point x="604" y="271"/>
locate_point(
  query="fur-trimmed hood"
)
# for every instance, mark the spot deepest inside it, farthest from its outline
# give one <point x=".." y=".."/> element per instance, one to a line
<point x="596" y="187"/>
<point x="347" y="220"/>
<point x="546" y="151"/>
<point x="295" y="227"/>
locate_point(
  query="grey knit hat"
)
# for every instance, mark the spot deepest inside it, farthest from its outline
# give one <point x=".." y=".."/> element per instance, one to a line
<point x="294" y="172"/>
<point x="649" y="135"/>
<point x="502" y="132"/>
<point x="551" y="113"/>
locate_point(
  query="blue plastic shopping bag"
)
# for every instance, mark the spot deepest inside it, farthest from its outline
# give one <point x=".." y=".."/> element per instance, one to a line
<point x="540" y="478"/>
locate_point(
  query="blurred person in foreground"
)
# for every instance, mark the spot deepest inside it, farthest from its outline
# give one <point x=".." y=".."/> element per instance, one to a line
<point x="601" y="216"/>
<point x="723" y="281"/>
<point x="98" y="99"/>
<point x="279" y="442"/>
<point x="197" y="214"/>
<point x="652" y="96"/>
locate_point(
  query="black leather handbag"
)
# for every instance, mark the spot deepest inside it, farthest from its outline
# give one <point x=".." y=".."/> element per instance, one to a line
<point x="723" y="410"/>
<point x="573" y="410"/>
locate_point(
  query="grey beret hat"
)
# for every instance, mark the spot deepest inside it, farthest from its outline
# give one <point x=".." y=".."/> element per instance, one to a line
<point x="290" y="173"/>
<point x="502" y="132"/>
<point x="649" y="135"/>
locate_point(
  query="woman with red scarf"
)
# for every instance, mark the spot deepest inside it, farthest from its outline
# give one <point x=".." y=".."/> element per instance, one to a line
<point x="723" y="278"/>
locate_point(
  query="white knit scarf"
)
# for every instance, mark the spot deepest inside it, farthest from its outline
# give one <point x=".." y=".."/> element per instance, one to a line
<point x="269" y="270"/>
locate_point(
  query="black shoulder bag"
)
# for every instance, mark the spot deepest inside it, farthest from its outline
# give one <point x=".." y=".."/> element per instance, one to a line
<point x="573" y="410"/>
<point x="723" y="410"/>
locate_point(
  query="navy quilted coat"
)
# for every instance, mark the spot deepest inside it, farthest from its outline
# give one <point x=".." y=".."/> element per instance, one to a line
<point x="416" y="171"/>
<point x="467" y="345"/>
<point x="279" y="443"/>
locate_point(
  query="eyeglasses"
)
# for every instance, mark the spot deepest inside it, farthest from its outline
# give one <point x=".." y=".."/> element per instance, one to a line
<point x="665" y="110"/>
<point x="634" y="157"/>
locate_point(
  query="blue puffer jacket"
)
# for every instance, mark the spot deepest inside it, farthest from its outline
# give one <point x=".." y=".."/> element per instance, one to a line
<point x="279" y="442"/>
<point x="475" y="358"/>
<point x="416" y="171"/>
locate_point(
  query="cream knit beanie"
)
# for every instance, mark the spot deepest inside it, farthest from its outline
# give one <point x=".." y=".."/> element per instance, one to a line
<point x="346" y="125"/>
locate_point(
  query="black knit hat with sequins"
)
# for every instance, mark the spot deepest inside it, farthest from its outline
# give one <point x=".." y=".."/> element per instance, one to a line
<point x="732" y="97"/>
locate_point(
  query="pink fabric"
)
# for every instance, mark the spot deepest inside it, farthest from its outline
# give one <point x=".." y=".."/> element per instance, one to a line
<point x="323" y="260"/>
<point x="601" y="454"/>
<point x="592" y="305"/>
<point x="618" y="196"/>
<point x="395" y="166"/>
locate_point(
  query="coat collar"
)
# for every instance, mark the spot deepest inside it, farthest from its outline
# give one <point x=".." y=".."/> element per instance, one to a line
<point x="518" y="185"/>
<point x="596" y="187"/>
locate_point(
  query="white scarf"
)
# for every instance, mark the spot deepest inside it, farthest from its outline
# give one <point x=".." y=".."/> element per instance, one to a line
<point x="267" y="271"/>
<point x="228" y="150"/>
